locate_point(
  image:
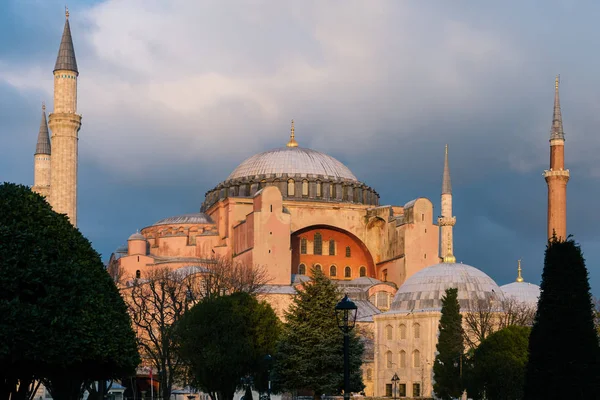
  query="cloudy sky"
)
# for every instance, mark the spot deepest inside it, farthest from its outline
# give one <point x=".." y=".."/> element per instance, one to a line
<point x="175" y="94"/>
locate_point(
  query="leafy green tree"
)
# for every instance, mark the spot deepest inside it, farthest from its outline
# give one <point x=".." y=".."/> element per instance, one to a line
<point x="310" y="354"/>
<point x="564" y="357"/>
<point x="498" y="365"/>
<point x="447" y="367"/>
<point x="63" y="320"/>
<point x="223" y="339"/>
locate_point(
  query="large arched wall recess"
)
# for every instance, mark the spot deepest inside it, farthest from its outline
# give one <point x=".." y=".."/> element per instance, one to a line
<point x="360" y="256"/>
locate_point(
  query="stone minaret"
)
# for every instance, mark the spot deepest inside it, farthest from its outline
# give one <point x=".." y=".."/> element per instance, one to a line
<point x="41" y="159"/>
<point x="65" y="123"/>
<point x="446" y="221"/>
<point x="557" y="176"/>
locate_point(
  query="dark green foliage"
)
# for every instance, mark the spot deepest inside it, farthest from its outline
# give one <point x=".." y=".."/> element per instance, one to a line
<point x="448" y="362"/>
<point x="63" y="320"/>
<point x="498" y="365"/>
<point x="310" y="355"/>
<point x="223" y="339"/>
<point x="563" y="346"/>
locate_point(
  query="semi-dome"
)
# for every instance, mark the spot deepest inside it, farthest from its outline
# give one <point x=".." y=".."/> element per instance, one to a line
<point x="523" y="292"/>
<point x="424" y="290"/>
<point x="194" y="218"/>
<point x="292" y="161"/>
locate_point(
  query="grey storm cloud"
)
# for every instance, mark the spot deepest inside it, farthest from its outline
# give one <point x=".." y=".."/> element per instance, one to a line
<point x="175" y="94"/>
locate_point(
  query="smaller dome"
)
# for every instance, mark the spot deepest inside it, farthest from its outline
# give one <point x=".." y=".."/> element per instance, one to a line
<point x="523" y="292"/>
<point x="137" y="236"/>
<point x="424" y="290"/>
<point x="194" y="218"/>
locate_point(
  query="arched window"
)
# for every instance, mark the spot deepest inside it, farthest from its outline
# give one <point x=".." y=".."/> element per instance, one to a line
<point x="291" y="188"/>
<point x="332" y="271"/>
<point x="389" y="332"/>
<point x="319" y="189"/>
<point x="318" y="245"/>
<point x="402" y="359"/>
<point x="263" y="183"/>
<point x="303" y="245"/>
<point x="348" y="251"/>
<point x="416" y="359"/>
<point x="138" y="274"/>
<point x="347" y="272"/>
<point x="363" y="271"/>
<point x="301" y="269"/>
<point x="332" y="191"/>
<point x="402" y="331"/>
<point x="417" y="331"/>
<point x="388" y="359"/>
<point x="332" y="247"/>
<point x="384" y="275"/>
<point x="344" y="192"/>
<point x="369" y="374"/>
<point x="318" y="267"/>
<point x="305" y="188"/>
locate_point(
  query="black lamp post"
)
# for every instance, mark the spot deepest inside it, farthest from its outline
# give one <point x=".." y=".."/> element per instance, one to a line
<point x="268" y="361"/>
<point x="345" y="313"/>
<point x="395" y="380"/>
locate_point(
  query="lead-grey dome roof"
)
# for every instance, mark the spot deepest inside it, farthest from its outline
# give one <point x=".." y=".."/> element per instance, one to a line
<point x="523" y="292"/>
<point x="194" y="218"/>
<point x="424" y="290"/>
<point x="292" y="161"/>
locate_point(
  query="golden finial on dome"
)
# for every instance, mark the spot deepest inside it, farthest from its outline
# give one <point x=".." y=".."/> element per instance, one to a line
<point x="67" y="12"/>
<point x="449" y="257"/>
<point x="292" y="142"/>
<point x="519" y="277"/>
<point x="556" y="81"/>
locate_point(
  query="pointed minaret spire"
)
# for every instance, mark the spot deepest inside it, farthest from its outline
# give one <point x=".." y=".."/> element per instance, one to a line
<point x="292" y="142"/>
<point x="519" y="277"/>
<point x="556" y="132"/>
<point x="446" y="183"/>
<point x="446" y="221"/>
<point x="65" y="61"/>
<point x="43" y="141"/>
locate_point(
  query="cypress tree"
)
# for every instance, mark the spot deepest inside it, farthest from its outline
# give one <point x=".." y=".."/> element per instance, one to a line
<point x="447" y="367"/>
<point x="563" y="346"/>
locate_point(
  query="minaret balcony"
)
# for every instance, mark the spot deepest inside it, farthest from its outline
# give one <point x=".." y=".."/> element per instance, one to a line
<point x="446" y="221"/>
<point x="552" y="172"/>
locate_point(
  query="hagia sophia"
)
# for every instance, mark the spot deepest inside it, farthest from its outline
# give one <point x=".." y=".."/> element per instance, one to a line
<point x="291" y="209"/>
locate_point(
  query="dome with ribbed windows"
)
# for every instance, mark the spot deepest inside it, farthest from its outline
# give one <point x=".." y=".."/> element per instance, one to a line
<point x="424" y="290"/>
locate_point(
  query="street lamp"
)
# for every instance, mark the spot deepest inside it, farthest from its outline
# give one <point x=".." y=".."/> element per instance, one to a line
<point x="395" y="380"/>
<point x="345" y="314"/>
<point x="268" y="361"/>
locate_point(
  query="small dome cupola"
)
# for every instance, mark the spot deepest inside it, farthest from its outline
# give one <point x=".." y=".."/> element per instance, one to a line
<point x="136" y="244"/>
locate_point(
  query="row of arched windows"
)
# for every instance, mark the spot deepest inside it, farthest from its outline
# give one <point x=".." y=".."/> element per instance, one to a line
<point x="318" y="246"/>
<point x="389" y="331"/>
<point x="333" y="270"/>
<point x="416" y="359"/>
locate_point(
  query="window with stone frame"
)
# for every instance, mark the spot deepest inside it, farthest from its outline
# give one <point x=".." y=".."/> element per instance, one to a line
<point x="332" y="247"/>
<point x="291" y="189"/>
<point x="348" y="251"/>
<point x="332" y="190"/>
<point x="332" y="270"/>
<point x="318" y="267"/>
<point x="319" y="189"/>
<point x="303" y="245"/>
<point x="389" y="332"/>
<point x="388" y="390"/>
<point x="402" y="390"/>
<point x="389" y="360"/>
<point x="363" y="271"/>
<point x="301" y="269"/>
<point x="402" y="331"/>
<point x="416" y="359"/>
<point x="369" y="374"/>
<point x="318" y="244"/>
<point x="417" y="331"/>
<point x="305" y="188"/>
<point x="416" y="390"/>
<point x="402" y="359"/>
<point x="347" y="272"/>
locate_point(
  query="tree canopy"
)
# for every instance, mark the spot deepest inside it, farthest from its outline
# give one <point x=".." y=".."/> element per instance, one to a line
<point x="310" y="353"/>
<point x="63" y="320"/>
<point x="563" y="346"/>
<point x="447" y="367"/>
<point x="223" y="339"/>
<point x="498" y="365"/>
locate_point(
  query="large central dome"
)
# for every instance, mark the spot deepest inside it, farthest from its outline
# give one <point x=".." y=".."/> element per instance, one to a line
<point x="292" y="161"/>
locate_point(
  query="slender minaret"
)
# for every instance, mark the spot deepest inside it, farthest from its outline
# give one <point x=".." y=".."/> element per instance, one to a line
<point x="557" y="176"/>
<point x="65" y="123"/>
<point x="41" y="159"/>
<point x="446" y="221"/>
